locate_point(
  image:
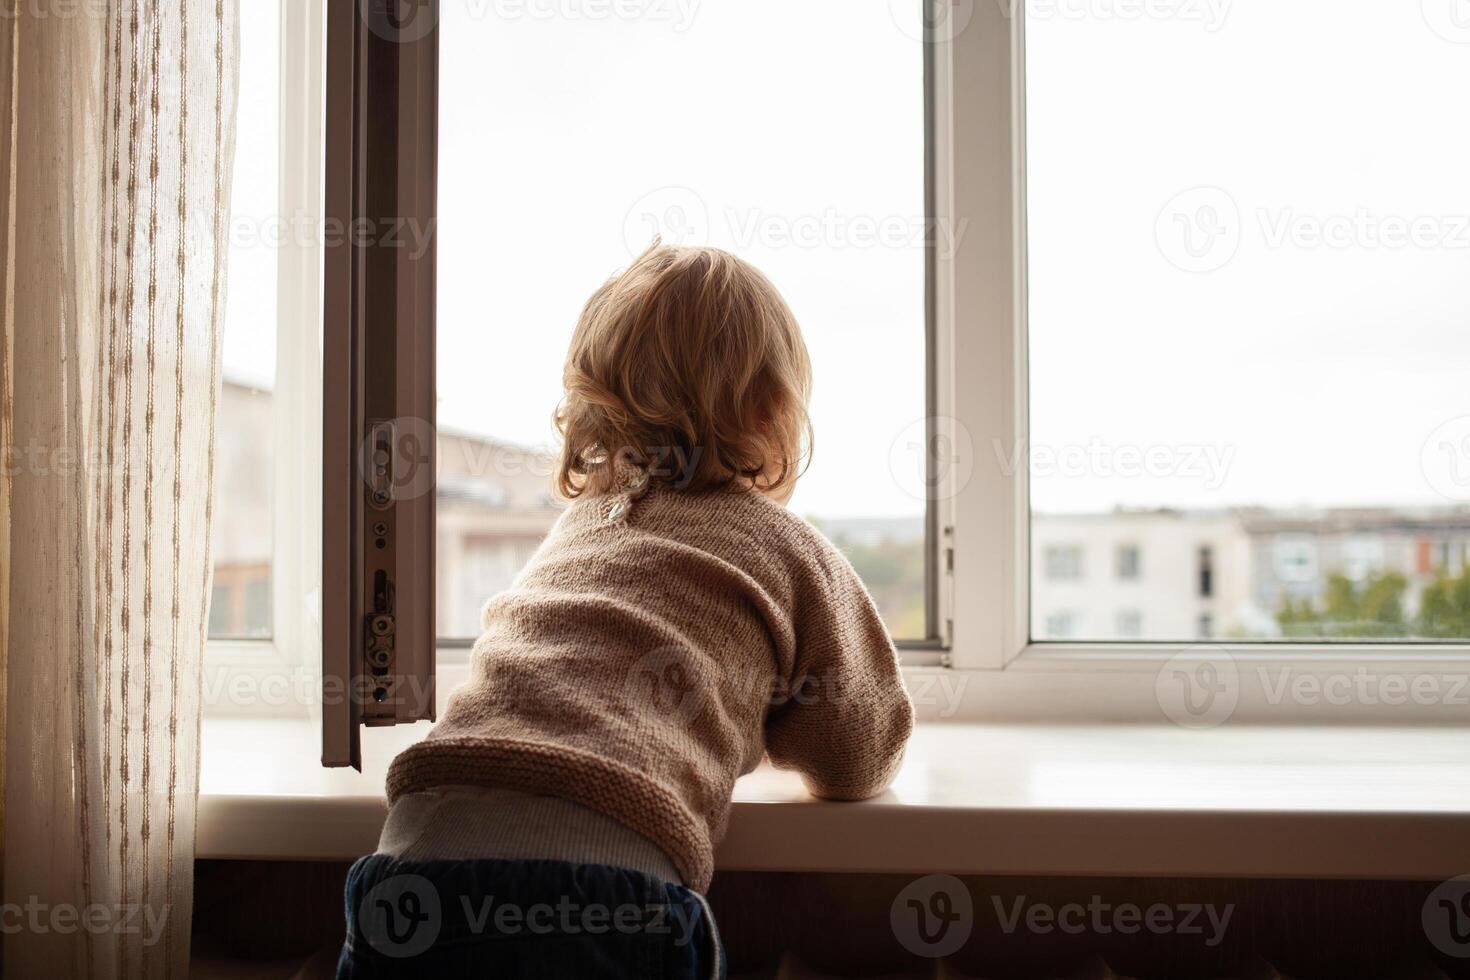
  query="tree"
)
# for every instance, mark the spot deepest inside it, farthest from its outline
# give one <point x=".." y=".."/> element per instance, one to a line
<point x="1374" y="609"/>
<point x="1444" y="610"/>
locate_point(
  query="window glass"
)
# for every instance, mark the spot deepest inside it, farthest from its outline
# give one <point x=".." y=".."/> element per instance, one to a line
<point x="1247" y="312"/>
<point x="242" y="529"/>
<point x="571" y="135"/>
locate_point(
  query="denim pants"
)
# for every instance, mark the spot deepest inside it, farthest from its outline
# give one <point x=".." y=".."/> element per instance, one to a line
<point x="510" y="919"/>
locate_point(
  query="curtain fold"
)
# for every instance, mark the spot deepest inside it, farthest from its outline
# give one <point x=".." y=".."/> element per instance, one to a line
<point x="119" y="138"/>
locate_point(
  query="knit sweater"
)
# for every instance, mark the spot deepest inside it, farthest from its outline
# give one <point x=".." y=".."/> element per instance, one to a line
<point x="655" y="647"/>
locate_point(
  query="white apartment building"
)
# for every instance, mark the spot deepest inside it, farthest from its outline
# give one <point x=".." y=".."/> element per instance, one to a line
<point x="1140" y="575"/>
<point x="1294" y="551"/>
<point x="1163" y="575"/>
<point x="1199" y="575"/>
<point x="494" y="507"/>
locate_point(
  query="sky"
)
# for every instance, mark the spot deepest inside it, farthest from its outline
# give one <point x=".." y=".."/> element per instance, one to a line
<point x="1321" y="371"/>
<point x="566" y="144"/>
<point x="249" y="345"/>
<point x="1191" y="343"/>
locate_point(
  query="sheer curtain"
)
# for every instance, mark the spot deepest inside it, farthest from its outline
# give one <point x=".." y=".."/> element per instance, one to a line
<point x="117" y="145"/>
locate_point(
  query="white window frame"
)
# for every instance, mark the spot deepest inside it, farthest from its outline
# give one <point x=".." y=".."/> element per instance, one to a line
<point x="981" y="406"/>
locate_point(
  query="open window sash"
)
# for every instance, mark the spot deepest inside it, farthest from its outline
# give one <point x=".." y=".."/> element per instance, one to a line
<point x="378" y="447"/>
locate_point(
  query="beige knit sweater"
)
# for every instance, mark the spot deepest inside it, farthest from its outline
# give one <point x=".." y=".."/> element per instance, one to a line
<point x="653" y="649"/>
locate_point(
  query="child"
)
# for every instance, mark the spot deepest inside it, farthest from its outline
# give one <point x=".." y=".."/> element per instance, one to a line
<point x="677" y="624"/>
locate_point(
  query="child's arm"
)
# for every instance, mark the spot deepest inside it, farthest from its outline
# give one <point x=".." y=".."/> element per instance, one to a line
<point x="843" y="717"/>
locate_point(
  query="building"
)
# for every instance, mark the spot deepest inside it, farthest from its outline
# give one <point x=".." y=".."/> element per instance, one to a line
<point x="240" y="600"/>
<point x="1139" y="575"/>
<point x="494" y="506"/>
<point x="1294" y="553"/>
<point x="1199" y="575"/>
<point x="1124" y="575"/>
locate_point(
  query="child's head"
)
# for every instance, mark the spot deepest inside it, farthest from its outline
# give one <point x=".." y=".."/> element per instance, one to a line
<point x="691" y="363"/>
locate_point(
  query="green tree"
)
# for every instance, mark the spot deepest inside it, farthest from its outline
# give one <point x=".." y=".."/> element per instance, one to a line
<point x="1376" y="608"/>
<point x="893" y="571"/>
<point x="1444" y="610"/>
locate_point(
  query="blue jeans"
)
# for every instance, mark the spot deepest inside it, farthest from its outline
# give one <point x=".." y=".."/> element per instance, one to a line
<point x="504" y="919"/>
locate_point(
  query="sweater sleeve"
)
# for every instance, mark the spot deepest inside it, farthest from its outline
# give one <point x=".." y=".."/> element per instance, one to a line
<point x="843" y="717"/>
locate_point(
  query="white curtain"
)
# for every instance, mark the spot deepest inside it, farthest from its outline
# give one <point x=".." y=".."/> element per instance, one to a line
<point x="117" y="145"/>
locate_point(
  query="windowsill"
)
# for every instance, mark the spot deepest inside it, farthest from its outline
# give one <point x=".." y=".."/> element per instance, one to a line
<point x="1043" y="799"/>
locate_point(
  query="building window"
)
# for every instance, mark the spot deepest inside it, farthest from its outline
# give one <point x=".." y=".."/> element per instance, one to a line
<point x="1129" y="562"/>
<point x="1206" y="626"/>
<point x="1063" y="563"/>
<point x="220" y="601"/>
<point x="1295" y="558"/>
<point x="1206" y="571"/>
<point x="1060" y="626"/>
<point x="258" y="606"/>
<point x="1129" y="624"/>
<point x="245" y="450"/>
<point x="1362" y="555"/>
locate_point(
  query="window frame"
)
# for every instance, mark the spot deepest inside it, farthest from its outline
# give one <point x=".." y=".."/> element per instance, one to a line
<point x="378" y="423"/>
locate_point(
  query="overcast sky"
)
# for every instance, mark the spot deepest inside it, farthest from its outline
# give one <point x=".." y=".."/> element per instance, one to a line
<point x="1181" y="310"/>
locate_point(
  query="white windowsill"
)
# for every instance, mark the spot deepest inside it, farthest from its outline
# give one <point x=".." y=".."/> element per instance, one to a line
<point x="1045" y="799"/>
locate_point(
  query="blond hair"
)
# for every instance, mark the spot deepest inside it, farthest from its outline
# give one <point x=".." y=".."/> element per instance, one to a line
<point x="690" y="367"/>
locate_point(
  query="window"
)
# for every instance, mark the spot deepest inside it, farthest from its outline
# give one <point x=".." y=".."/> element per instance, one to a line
<point x="257" y="607"/>
<point x="1206" y="566"/>
<point x="486" y="566"/>
<point x="1295" y="558"/>
<point x="1129" y="624"/>
<point x="1061" y="625"/>
<point x="242" y="546"/>
<point x="1129" y="562"/>
<point x="1063" y="563"/>
<point x="1362" y="556"/>
<point x="605" y="131"/>
<point x="1016" y="396"/>
<point x="1216" y="323"/>
<point x="266" y="537"/>
<point x="219" y="610"/>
